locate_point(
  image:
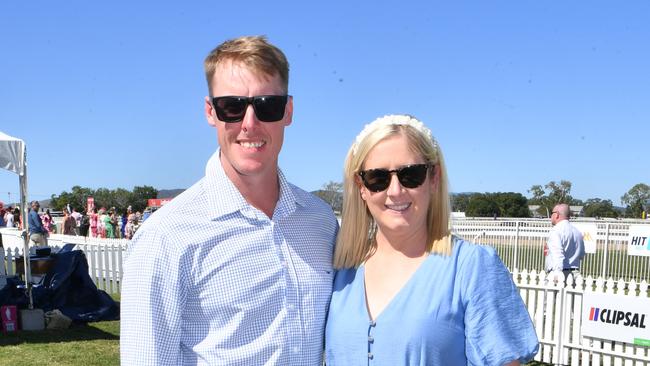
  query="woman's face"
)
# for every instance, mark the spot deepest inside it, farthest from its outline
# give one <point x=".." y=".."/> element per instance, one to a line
<point x="398" y="210"/>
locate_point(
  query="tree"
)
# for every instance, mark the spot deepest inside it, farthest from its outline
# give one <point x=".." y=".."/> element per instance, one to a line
<point x="511" y="204"/>
<point x="480" y="205"/>
<point x="637" y="199"/>
<point x="332" y="193"/>
<point x="119" y="198"/>
<point x="76" y="199"/>
<point x="552" y="194"/>
<point x="596" y="207"/>
<point x="140" y="197"/>
<point x="460" y="201"/>
<point x="501" y="204"/>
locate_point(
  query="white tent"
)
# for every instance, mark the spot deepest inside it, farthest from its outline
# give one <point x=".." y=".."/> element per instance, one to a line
<point x="13" y="157"/>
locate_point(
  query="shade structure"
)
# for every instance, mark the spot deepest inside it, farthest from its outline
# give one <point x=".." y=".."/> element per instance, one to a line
<point x="13" y="157"/>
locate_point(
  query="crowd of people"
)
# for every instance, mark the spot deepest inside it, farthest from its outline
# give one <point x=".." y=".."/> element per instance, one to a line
<point x="102" y="223"/>
<point x="9" y="216"/>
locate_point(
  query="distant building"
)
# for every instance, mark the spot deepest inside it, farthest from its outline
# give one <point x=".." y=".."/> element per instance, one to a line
<point x="576" y="211"/>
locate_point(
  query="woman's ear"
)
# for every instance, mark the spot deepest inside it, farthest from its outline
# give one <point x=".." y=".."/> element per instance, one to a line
<point x="362" y="189"/>
<point x="435" y="177"/>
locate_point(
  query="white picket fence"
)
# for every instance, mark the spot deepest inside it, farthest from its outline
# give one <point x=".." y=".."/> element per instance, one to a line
<point x="556" y="312"/>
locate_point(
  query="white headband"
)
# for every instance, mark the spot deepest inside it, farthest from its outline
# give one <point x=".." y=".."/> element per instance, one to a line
<point x="393" y="119"/>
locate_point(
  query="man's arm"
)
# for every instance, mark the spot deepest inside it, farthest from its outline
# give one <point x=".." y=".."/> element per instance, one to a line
<point x="555" y="251"/>
<point x="153" y="298"/>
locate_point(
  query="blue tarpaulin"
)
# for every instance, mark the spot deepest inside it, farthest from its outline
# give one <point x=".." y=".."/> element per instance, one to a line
<point x="68" y="288"/>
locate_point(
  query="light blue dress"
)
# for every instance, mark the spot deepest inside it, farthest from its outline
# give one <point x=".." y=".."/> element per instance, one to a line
<point x="461" y="309"/>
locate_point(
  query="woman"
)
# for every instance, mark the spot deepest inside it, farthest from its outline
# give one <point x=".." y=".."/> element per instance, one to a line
<point x="407" y="292"/>
<point x="48" y="223"/>
<point x="94" y="223"/>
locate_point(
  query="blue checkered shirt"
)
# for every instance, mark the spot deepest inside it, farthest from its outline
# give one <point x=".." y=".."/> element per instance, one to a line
<point x="211" y="280"/>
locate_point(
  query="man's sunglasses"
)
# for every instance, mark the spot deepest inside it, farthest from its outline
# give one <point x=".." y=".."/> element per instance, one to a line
<point x="410" y="176"/>
<point x="268" y="108"/>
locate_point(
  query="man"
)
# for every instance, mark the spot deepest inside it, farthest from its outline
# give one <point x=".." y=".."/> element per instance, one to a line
<point x="77" y="218"/>
<point x="565" y="247"/>
<point x="237" y="269"/>
<point x="37" y="233"/>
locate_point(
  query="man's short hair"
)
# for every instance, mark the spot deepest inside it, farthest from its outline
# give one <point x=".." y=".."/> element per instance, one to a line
<point x="255" y="52"/>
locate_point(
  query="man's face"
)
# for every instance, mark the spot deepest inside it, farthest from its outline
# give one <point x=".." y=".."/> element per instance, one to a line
<point x="35" y="206"/>
<point x="554" y="216"/>
<point x="249" y="147"/>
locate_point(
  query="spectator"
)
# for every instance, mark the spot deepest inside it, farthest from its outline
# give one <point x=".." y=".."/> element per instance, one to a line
<point x="18" y="220"/>
<point x="102" y="219"/>
<point x="48" y="222"/>
<point x="69" y="223"/>
<point x="77" y="217"/>
<point x="9" y="217"/>
<point x="85" y="224"/>
<point x="565" y="247"/>
<point x="2" y="215"/>
<point x="37" y="233"/>
<point x="94" y="223"/>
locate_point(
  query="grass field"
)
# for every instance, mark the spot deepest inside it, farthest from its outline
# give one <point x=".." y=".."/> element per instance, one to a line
<point x="95" y="344"/>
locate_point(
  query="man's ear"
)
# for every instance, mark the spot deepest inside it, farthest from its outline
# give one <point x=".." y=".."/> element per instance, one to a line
<point x="210" y="115"/>
<point x="289" y="111"/>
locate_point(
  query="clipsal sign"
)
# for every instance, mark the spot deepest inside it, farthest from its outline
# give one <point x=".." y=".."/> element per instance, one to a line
<point x="611" y="316"/>
<point x="617" y="318"/>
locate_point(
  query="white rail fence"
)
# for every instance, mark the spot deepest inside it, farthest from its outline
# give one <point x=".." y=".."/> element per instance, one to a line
<point x="556" y="310"/>
<point x="520" y="244"/>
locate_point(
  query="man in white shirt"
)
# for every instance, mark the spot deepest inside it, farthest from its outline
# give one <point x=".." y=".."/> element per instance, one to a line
<point x="565" y="248"/>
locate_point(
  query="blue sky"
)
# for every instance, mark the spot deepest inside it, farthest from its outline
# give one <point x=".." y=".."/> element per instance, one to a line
<point x="110" y="94"/>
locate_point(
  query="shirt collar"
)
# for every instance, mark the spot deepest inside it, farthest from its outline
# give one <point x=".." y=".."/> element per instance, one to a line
<point x="224" y="198"/>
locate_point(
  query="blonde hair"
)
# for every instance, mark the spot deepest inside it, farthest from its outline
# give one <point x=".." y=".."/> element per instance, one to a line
<point x="255" y="52"/>
<point x="356" y="239"/>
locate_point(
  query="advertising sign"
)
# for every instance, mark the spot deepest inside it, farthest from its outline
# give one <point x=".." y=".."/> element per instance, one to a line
<point x="158" y="202"/>
<point x="588" y="231"/>
<point x="639" y="240"/>
<point x="617" y="318"/>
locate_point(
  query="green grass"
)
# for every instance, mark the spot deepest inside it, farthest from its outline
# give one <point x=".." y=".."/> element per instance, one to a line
<point x="95" y="344"/>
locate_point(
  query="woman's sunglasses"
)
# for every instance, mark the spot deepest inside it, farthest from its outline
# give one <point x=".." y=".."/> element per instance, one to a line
<point x="268" y="108"/>
<point x="410" y="176"/>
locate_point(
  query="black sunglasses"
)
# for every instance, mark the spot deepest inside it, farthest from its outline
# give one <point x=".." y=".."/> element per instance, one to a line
<point x="268" y="108"/>
<point x="410" y="176"/>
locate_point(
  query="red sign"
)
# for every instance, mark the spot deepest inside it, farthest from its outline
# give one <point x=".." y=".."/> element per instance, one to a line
<point x="157" y="202"/>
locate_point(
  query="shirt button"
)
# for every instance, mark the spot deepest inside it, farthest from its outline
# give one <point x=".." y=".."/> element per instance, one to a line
<point x="371" y="339"/>
<point x="291" y="306"/>
<point x="283" y="264"/>
<point x="296" y="349"/>
<point x="370" y="356"/>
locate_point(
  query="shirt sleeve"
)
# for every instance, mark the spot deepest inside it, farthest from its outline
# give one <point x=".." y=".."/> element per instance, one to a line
<point x="152" y="302"/>
<point x="498" y="328"/>
<point x="555" y="251"/>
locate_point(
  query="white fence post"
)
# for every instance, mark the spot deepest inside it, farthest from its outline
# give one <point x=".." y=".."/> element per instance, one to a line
<point x="516" y="259"/>
<point x="604" y="272"/>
